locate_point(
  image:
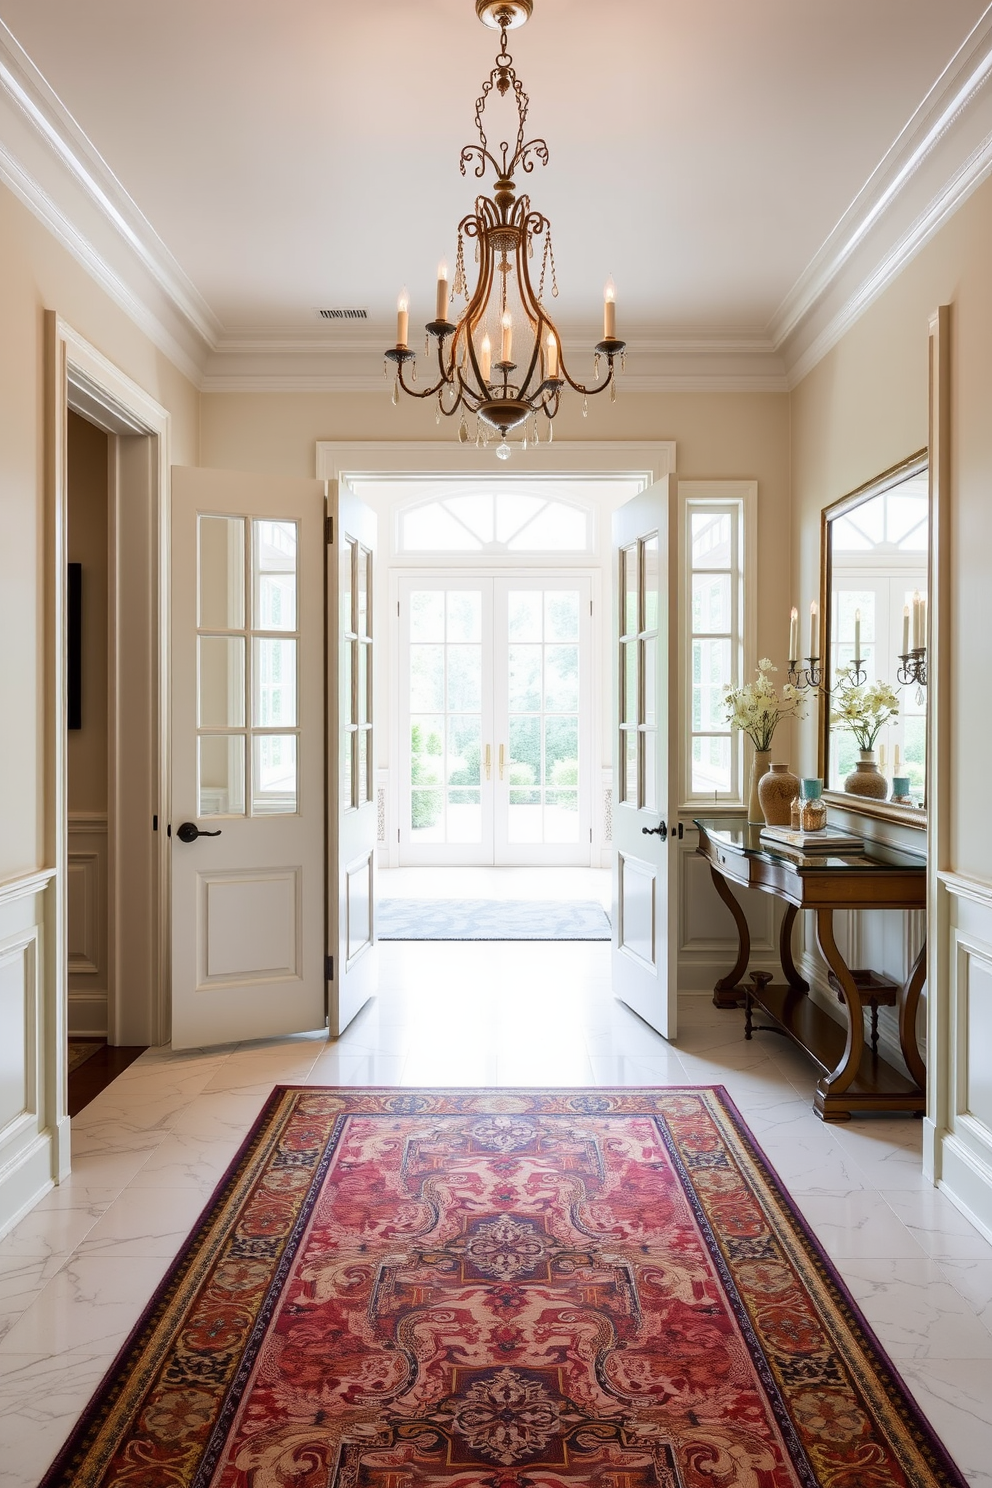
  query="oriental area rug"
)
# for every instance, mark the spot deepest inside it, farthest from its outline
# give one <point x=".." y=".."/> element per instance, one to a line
<point x="501" y="1289"/>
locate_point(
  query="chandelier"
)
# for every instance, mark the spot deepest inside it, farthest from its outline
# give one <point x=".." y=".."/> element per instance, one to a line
<point x="501" y="360"/>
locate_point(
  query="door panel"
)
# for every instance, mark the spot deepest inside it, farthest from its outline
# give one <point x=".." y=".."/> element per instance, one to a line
<point x="352" y="818"/>
<point x="645" y="896"/>
<point x="247" y="756"/>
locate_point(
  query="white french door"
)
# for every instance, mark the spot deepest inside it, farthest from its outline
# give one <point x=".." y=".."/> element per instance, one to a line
<point x="247" y="828"/>
<point x="494" y="719"/>
<point x="645" y="816"/>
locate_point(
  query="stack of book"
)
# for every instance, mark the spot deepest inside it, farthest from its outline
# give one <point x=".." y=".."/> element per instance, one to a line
<point x="826" y="840"/>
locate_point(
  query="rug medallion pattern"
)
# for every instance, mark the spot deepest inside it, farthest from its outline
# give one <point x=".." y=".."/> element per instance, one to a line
<point x="501" y="1289"/>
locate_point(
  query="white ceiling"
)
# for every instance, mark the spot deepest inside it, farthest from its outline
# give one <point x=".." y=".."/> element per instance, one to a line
<point x="304" y="154"/>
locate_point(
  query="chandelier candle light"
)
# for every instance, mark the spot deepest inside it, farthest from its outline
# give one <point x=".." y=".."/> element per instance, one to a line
<point x="505" y="307"/>
<point x="809" y="675"/>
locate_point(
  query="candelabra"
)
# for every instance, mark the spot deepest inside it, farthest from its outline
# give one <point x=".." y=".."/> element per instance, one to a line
<point x="913" y="667"/>
<point x="807" y="677"/>
<point x="856" y="671"/>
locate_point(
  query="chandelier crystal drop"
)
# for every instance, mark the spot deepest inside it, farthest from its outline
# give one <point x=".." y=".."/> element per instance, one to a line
<point x="501" y="359"/>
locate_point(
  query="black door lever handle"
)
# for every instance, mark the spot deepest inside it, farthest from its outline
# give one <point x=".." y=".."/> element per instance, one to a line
<point x="660" y="830"/>
<point x="189" y="832"/>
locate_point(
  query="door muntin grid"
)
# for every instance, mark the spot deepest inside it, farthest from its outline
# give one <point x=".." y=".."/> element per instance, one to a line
<point x="357" y="758"/>
<point x="247" y="666"/>
<point x="446" y="681"/>
<point x="638" y="620"/>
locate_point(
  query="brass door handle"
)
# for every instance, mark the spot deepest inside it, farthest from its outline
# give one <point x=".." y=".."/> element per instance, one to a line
<point x="502" y="759"/>
<point x="489" y="761"/>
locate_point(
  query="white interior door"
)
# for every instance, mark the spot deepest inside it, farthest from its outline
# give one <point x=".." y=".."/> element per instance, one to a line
<point x="495" y="719"/>
<point x="352" y="815"/>
<point x="645" y="890"/>
<point x="247" y="827"/>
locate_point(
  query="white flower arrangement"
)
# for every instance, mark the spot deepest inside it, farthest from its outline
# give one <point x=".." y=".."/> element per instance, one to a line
<point x="862" y="710"/>
<point x="756" y="708"/>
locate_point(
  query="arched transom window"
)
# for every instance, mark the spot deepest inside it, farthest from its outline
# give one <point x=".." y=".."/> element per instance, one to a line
<point x="500" y="519"/>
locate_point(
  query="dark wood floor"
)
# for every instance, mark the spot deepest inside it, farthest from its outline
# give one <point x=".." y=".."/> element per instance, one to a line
<point x="97" y="1072"/>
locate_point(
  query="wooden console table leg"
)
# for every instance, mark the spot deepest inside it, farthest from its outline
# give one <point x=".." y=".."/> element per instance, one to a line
<point x="785" y="951"/>
<point x="727" y="992"/>
<point x="828" y="1102"/>
<point x="908" y="1003"/>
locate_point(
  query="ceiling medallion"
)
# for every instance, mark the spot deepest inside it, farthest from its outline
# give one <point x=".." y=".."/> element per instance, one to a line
<point x="504" y="314"/>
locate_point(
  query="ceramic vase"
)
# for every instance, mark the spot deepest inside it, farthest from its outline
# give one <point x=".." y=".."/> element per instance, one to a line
<point x="776" y="792"/>
<point x="866" y="779"/>
<point x="759" y="767"/>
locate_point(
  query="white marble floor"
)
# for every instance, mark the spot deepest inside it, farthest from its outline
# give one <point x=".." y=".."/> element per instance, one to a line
<point x="76" y="1272"/>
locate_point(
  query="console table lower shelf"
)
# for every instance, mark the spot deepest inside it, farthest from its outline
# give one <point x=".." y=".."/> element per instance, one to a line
<point x="876" y="1084"/>
<point x="853" y="1075"/>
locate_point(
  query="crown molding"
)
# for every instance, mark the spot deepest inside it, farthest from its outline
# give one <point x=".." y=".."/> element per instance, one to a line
<point x="654" y="364"/>
<point x="55" y="170"/>
<point x="939" y="158"/>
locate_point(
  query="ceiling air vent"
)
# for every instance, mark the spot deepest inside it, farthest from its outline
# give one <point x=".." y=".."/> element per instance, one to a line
<point x="338" y="314"/>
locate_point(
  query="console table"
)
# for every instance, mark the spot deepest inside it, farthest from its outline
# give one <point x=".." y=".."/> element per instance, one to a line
<point x="854" y="1077"/>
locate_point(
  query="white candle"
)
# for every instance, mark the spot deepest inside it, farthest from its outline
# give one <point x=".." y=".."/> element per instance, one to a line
<point x="916" y="620"/>
<point x="552" y="356"/>
<point x="506" y="352"/>
<point x="402" y="318"/>
<point x="857" y="635"/>
<point x="485" y="357"/>
<point x="793" y="634"/>
<point x="814" y="644"/>
<point x="905" y="630"/>
<point x="923" y="622"/>
<point x="442" y="290"/>
<point x="610" y="311"/>
<point x="881" y="756"/>
<point x="895" y="768"/>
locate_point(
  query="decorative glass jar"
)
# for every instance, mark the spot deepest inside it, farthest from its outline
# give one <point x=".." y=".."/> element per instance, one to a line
<point x="900" y="791"/>
<point x="812" y="807"/>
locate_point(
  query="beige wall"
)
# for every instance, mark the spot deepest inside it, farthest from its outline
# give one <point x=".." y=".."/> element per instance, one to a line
<point x="36" y="274"/>
<point x="862" y="409"/>
<point x="718" y="436"/>
<point x="87" y="503"/>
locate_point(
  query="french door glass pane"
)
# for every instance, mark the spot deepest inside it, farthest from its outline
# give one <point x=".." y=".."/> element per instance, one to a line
<point x="221" y="682"/>
<point x="221" y="775"/>
<point x="427" y="615"/>
<point x="561" y="678"/>
<point x="275" y="575"/>
<point x="630" y="612"/>
<point x="221" y="561"/>
<point x="524" y="615"/>
<point x="464" y="615"/>
<point x="525" y="678"/>
<point x="464" y="678"/>
<point x="561" y="615"/>
<point x="652" y="583"/>
<point x="274" y="702"/>
<point x="274" y="781"/>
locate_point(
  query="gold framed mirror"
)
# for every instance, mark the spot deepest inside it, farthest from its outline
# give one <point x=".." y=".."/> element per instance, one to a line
<point x="874" y="585"/>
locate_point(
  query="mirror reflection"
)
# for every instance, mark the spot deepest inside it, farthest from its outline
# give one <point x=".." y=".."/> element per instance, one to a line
<point x="876" y="556"/>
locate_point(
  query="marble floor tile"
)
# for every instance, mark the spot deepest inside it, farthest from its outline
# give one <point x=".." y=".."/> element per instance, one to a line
<point x="856" y="1224"/>
<point x="91" y="1303"/>
<point x="144" y="1222"/>
<point x="940" y="1229"/>
<point x="41" y="1395"/>
<point x="954" y="1394"/>
<point x="915" y="1311"/>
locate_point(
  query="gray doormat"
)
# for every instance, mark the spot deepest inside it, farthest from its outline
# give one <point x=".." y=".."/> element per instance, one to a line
<point x="491" y="919"/>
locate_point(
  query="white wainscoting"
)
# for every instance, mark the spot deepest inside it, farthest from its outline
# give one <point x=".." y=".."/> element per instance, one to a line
<point x="29" y="1067"/>
<point x="88" y="942"/>
<point x="962" y="1134"/>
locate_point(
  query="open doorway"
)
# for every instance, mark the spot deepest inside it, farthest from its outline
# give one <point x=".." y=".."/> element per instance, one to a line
<point x="108" y="496"/>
